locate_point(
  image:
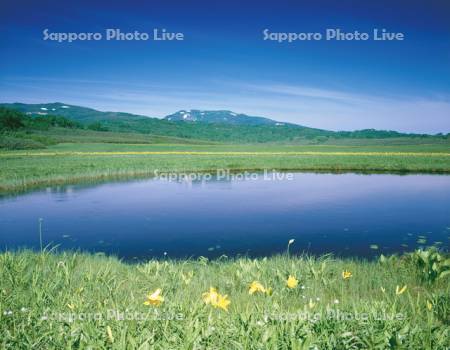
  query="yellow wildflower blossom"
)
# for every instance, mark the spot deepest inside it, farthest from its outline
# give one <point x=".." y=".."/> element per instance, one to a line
<point x="292" y="282"/>
<point x="399" y="290"/>
<point x="109" y="333"/>
<point x="346" y="274"/>
<point x="154" y="298"/>
<point x="211" y="297"/>
<point x="222" y="302"/>
<point x="215" y="299"/>
<point x="255" y="286"/>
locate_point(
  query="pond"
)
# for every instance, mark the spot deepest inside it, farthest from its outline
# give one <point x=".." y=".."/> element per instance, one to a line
<point x="344" y="214"/>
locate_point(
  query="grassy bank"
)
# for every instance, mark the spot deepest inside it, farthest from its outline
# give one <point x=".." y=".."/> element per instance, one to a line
<point x="68" y="163"/>
<point x="43" y="298"/>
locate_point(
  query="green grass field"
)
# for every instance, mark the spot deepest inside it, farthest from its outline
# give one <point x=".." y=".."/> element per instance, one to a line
<point x="73" y="162"/>
<point x="83" y="301"/>
<point x="78" y="301"/>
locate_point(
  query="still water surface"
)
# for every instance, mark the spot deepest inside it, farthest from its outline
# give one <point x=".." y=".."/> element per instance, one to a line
<point x="344" y="214"/>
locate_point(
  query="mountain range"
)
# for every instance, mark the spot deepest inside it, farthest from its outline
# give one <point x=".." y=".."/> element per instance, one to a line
<point x="84" y="114"/>
<point x="220" y="125"/>
<point x="222" y="117"/>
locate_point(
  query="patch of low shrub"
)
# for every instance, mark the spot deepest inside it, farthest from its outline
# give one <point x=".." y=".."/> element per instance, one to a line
<point x="9" y="142"/>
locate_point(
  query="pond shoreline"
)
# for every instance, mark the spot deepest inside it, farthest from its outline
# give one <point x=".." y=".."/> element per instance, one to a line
<point x="32" y="184"/>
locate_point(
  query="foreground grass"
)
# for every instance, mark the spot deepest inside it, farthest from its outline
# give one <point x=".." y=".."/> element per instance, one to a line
<point x="68" y="163"/>
<point x="56" y="301"/>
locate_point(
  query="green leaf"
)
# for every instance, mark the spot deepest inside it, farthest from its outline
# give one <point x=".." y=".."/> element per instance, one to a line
<point x="444" y="273"/>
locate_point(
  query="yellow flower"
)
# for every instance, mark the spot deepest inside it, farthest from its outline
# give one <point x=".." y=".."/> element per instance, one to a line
<point x="255" y="286"/>
<point x="109" y="333"/>
<point x="211" y="297"/>
<point x="222" y="302"/>
<point x="346" y="274"/>
<point x="399" y="290"/>
<point x="429" y="305"/>
<point x="154" y="298"/>
<point x="215" y="299"/>
<point x="292" y="282"/>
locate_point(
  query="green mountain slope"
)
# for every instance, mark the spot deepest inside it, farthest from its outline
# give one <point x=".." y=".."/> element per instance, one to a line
<point x="81" y="114"/>
<point x="221" y="126"/>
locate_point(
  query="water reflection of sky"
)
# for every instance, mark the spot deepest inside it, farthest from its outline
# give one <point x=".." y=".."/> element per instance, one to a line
<point x="324" y="212"/>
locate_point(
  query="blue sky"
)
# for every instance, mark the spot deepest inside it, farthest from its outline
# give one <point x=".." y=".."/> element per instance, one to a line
<point x="224" y="63"/>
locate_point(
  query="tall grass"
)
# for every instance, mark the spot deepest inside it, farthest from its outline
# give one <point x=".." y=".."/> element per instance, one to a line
<point x="43" y="297"/>
<point x="21" y="172"/>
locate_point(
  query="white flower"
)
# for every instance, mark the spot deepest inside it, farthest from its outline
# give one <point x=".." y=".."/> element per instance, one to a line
<point x="336" y="301"/>
<point x="23" y="309"/>
<point x="302" y="287"/>
<point x="317" y="298"/>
